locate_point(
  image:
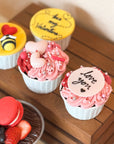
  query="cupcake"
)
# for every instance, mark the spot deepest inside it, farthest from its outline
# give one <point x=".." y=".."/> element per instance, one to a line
<point x="85" y="91"/>
<point x="53" y="24"/>
<point x="20" y="122"/>
<point x="12" y="41"/>
<point x="42" y="65"/>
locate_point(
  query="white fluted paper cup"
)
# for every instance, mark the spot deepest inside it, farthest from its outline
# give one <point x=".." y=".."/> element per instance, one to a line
<point x="9" y="61"/>
<point x="80" y="113"/>
<point x="62" y="42"/>
<point x="43" y="87"/>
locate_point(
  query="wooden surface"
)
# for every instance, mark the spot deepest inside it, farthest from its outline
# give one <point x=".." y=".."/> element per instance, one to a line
<point x="85" y="49"/>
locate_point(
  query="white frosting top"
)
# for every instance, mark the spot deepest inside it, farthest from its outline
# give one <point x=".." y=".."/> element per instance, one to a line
<point x="86" y="81"/>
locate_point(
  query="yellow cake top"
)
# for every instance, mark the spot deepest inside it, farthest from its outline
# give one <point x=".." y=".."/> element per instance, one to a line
<point x="11" y="31"/>
<point x="52" y="24"/>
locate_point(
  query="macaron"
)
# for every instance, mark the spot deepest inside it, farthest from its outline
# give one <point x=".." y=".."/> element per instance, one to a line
<point x="11" y="111"/>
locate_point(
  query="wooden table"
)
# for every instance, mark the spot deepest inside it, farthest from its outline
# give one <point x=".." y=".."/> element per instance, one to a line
<point x="85" y="49"/>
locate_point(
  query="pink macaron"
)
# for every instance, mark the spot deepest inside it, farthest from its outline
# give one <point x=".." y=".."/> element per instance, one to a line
<point x="11" y="111"/>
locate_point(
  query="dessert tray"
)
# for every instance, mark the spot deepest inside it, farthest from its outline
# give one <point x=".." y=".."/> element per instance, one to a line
<point x="85" y="49"/>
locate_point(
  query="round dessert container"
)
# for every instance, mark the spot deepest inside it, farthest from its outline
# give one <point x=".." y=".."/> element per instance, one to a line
<point x="35" y="118"/>
<point x="43" y="87"/>
<point x="85" y="91"/>
<point x="53" y="24"/>
<point x="82" y="114"/>
<point x="12" y="41"/>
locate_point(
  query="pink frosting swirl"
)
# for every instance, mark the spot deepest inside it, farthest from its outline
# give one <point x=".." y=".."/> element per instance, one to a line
<point x="55" y="62"/>
<point x="85" y="102"/>
<point x="103" y="95"/>
<point x="48" y="72"/>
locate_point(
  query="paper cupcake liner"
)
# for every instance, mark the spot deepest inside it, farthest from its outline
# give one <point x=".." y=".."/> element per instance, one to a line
<point x="9" y="61"/>
<point x="82" y="114"/>
<point x="63" y="42"/>
<point x="43" y="87"/>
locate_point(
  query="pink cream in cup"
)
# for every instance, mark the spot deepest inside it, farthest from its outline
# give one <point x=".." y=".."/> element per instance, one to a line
<point x="42" y="65"/>
<point x="85" y="91"/>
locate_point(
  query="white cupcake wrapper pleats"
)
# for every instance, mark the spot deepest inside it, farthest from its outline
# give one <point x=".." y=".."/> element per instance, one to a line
<point x="63" y="42"/>
<point x="43" y="87"/>
<point x="80" y="113"/>
<point x="9" y="61"/>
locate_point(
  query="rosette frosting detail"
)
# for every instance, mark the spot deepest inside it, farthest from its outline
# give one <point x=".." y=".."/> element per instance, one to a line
<point x="43" y="60"/>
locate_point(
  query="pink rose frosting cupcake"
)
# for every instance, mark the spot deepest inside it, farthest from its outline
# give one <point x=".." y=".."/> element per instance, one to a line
<point x="42" y="65"/>
<point x="85" y="91"/>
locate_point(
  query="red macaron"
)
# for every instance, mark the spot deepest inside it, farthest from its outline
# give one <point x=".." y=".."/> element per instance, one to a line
<point x="11" y="111"/>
